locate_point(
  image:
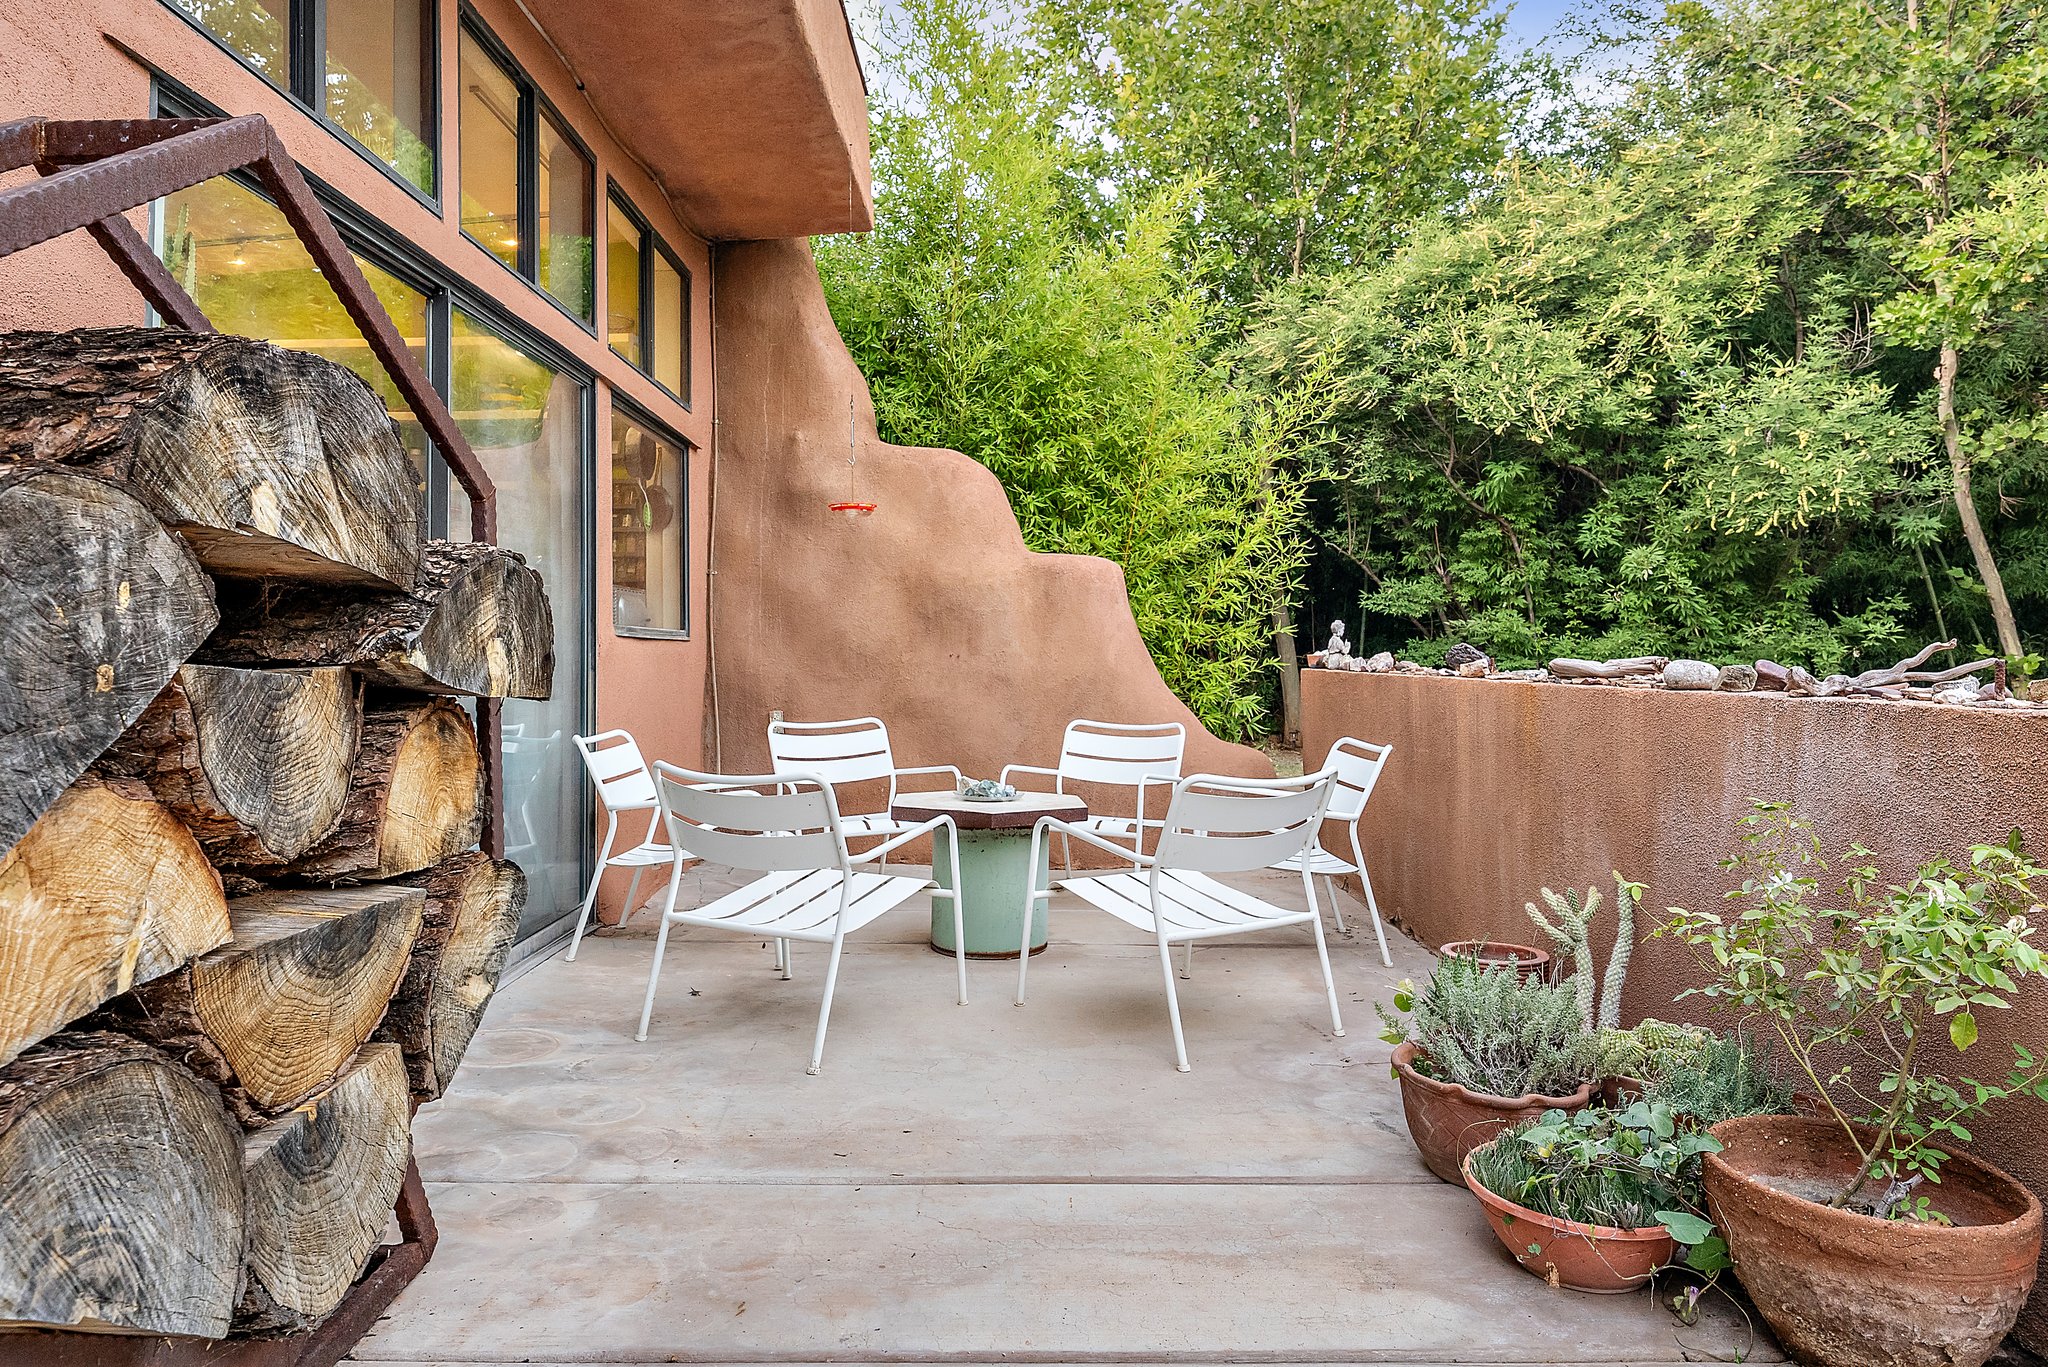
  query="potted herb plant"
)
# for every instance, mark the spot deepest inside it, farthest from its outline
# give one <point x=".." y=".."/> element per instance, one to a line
<point x="1859" y="1232"/>
<point x="1482" y="1049"/>
<point x="1594" y="1200"/>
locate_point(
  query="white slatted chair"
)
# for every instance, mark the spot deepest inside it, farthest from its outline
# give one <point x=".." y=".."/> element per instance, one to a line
<point x="1213" y="825"/>
<point x="616" y="767"/>
<point x="812" y="888"/>
<point x="852" y="751"/>
<point x="1117" y="754"/>
<point x="1357" y="765"/>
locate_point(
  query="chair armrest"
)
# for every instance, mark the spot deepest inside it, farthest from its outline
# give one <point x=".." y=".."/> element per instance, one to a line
<point x="934" y="769"/>
<point x="900" y="838"/>
<point x="1009" y="769"/>
<point x="1123" y="852"/>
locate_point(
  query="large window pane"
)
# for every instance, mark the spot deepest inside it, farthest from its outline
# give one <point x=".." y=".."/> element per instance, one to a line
<point x="379" y="87"/>
<point x="648" y="513"/>
<point x="671" y="328"/>
<point x="526" y="423"/>
<point x="489" y="170"/>
<point x="563" y="218"/>
<point x="260" y="30"/>
<point x="240" y="261"/>
<point x="622" y="282"/>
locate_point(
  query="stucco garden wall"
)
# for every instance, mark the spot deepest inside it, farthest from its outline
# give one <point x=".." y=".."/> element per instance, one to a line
<point x="1497" y="788"/>
<point x="931" y="613"/>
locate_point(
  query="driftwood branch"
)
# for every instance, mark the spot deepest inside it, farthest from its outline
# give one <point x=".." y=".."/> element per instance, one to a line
<point x="1568" y="668"/>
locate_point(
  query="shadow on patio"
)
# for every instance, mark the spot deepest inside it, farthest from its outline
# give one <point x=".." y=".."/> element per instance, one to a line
<point x="966" y="1183"/>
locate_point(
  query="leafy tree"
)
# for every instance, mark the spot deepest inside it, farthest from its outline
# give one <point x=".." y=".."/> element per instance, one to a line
<point x="997" y="313"/>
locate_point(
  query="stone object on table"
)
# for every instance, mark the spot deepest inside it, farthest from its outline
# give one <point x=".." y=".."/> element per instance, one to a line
<point x="1381" y="663"/>
<point x="1691" y="675"/>
<point x="1737" y="679"/>
<point x="1339" y="643"/>
<point x="1961" y="691"/>
<point x="1475" y="669"/>
<point x="1771" y="676"/>
<point x="1464" y="653"/>
<point x="987" y="790"/>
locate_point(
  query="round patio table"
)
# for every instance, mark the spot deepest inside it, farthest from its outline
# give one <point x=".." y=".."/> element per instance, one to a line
<point x="996" y="872"/>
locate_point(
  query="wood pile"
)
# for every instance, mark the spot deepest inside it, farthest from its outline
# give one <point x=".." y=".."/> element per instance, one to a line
<point x="244" y="926"/>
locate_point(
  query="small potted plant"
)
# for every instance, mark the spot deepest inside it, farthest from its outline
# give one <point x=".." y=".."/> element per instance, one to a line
<point x="1480" y="1050"/>
<point x="1527" y="960"/>
<point x="1594" y="1200"/>
<point x="1859" y="1232"/>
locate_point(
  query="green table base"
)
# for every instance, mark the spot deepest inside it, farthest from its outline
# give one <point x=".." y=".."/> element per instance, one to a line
<point x="995" y="877"/>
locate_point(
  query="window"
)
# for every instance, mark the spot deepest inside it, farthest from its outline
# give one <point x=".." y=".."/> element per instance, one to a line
<point x="365" y="66"/>
<point x="528" y="187"/>
<point x="649" y="550"/>
<point x="647" y="299"/>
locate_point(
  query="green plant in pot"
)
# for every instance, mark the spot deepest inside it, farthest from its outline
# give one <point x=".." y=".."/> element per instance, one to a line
<point x="1598" y="1199"/>
<point x="1480" y="1050"/>
<point x="1859" y="1232"/>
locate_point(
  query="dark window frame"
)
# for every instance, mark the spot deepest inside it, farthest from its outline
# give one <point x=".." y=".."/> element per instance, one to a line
<point x="305" y="56"/>
<point x="650" y="243"/>
<point x="622" y="406"/>
<point x="533" y="105"/>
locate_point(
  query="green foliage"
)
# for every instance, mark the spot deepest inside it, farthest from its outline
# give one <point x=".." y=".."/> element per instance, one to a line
<point x="1718" y="1078"/>
<point x="1626" y="1169"/>
<point x="1570" y="925"/>
<point x="1649" y="1049"/>
<point x="1873" y="980"/>
<point x="994" y="313"/>
<point x="1493" y="1031"/>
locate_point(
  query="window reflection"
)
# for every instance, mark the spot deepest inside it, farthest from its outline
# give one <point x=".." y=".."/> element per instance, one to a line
<point x="622" y="282"/>
<point x="671" y="334"/>
<point x="240" y="261"/>
<point x="563" y="218"/>
<point x="258" y="30"/>
<point x="489" y="132"/>
<point x="379" y="85"/>
<point x="648" y="511"/>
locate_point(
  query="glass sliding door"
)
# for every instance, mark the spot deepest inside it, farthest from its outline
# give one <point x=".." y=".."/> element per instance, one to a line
<point x="529" y="425"/>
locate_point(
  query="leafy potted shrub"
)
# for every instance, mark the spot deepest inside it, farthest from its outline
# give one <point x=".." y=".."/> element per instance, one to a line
<point x="1860" y="1234"/>
<point x="1482" y="1049"/>
<point x="1595" y="1200"/>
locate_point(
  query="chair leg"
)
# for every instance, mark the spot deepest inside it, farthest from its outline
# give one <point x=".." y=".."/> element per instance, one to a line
<point x="653" y="978"/>
<point x="632" y="891"/>
<point x="959" y="918"/>
<point x="1031" y="898"/>
<point x="825" y="1010"/>
<point x="604" y="852"/>
<point x="1329" y="983"/>
<point x="782" y="959"/>
<point x="1371" y="903"/>
<point x="1180" y="1044"/>
<point x="1187" y="961"/>
<point x="1336" y="903"/>
<point x="1067" y="851"/>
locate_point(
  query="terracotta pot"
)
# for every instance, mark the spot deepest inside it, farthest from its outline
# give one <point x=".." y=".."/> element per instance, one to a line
<point x="1596" y="1258"/>
<point x="1847" y="1290"/>
<point x="1447" y="1121"/>
<point x="1526" y="960"/>
<point x="1617" y="1092"/>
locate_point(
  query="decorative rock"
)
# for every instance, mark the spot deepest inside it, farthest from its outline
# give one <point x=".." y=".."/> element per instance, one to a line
<point x="2038" y="690"/>
<point x="1475" y="669"/>
<point x="1464" y="653"/>
<point x="1737" y="679"/>
<point x="1382" y="663"/>
<point x="1691" y="674"/>
<point x="1771" y="676"/>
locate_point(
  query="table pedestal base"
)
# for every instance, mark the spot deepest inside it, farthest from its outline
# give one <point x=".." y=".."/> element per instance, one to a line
<point x="995" y="878"/>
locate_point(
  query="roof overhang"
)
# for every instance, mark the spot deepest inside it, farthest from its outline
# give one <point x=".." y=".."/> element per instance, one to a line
<point x="752" y="113"/>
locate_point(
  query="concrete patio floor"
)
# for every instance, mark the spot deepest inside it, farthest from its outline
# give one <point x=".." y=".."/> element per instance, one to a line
<point x="963" y="1184"/>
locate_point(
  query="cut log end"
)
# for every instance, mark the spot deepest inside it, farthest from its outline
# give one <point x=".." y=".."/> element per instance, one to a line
<point x="471" y="917"/>
<point x="108" y="890"/>
<point x="322" y="1182"/>
<point x="121" y="1203"/>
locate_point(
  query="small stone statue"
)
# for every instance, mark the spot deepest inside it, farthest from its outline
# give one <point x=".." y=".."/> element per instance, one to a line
<point x="1338" y="645"/>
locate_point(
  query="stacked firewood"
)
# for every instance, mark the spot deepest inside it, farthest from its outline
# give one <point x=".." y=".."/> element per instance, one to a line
<point x="245" y="927"/>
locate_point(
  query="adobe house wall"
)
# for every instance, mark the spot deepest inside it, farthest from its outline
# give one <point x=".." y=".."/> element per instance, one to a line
<point x="1498" y="788"/>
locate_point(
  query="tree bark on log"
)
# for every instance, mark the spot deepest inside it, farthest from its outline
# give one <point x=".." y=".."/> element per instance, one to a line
<point x="322" y="1182"/>
<point x="106" y="891"/>
<point x="471" y="918"/>
<point x="121" y="1198"/>
<point x="98" y="605"/>
<point x="476" y="623"/>
<point x="254" y="761"/>
<point x="277" y="1013"/>
<point x="270" y="462"/>
<point x="415" y="796"/>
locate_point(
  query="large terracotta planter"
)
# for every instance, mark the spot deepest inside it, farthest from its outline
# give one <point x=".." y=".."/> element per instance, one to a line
<point x="1526" y="960"/>
<point x="1448" y="1121"/>
<point x="1847" y="1290"/>
<point x="1596" y="1258"/>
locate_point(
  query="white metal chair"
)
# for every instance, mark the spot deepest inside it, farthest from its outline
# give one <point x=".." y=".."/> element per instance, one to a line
<point x="623" y="783"/>
<point x="811" y="889"/>
<point x="1118" y="754"/>
<point x="1356" y="765"/>
<point x="1213" y="825"/>
<point x="852" y="751"/>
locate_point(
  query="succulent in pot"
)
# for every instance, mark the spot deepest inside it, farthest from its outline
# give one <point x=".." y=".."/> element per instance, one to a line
<point x="1861" y="1235"/>
<point x="1480" y="1050"/>
<point x="1596" y="1200"/>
